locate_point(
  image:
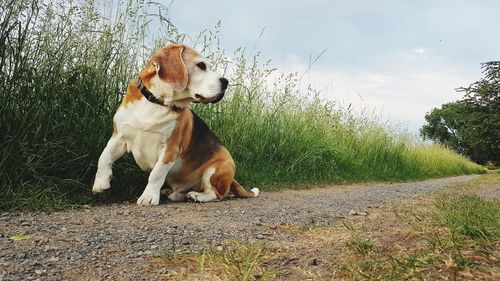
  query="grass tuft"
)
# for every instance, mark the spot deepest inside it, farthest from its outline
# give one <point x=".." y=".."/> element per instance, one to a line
<point x="233" y="261"/>
<point x="361" y="245"/>
<point x="470" y="216"/>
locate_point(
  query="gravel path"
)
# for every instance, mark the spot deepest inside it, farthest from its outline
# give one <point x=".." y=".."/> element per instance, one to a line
<point x="118" y="242"/>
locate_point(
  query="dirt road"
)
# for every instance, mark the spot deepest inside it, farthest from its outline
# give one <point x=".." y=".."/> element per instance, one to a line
<point x="118" y="242"/>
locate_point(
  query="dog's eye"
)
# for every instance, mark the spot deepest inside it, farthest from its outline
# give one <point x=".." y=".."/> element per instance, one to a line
<point x="202" y="65"/>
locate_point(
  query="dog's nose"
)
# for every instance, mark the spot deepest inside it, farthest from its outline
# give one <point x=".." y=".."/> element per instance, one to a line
<point x="224" y="83"/>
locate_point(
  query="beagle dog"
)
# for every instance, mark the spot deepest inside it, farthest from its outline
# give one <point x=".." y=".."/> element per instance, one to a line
<point x="155" y="123"/>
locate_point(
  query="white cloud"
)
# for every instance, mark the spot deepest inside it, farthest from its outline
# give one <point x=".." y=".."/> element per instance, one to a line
<point x="401" y="57"/>
<point x="401" y="96"/>
<point x="419" y="51"/>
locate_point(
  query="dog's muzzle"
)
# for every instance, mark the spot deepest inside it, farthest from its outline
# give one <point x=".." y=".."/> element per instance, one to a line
<point x="224" y="82"/>
<point x="202" y="99"/>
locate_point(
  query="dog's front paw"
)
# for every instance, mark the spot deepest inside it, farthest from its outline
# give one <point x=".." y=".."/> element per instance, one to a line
<point x="100" y="186"/>
<point x="149" y="199"/>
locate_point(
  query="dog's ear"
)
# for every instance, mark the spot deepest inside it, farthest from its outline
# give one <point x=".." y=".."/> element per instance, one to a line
<point x="170" y="66"/>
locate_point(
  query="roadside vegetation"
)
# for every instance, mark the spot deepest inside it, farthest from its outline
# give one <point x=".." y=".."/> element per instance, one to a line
<point x="452" y="235"/>
<point x="471" y="125"/>
<point x="64" y="67"/>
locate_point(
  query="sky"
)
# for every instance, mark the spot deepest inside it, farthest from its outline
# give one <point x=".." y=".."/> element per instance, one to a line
<point x="398" y="59"/>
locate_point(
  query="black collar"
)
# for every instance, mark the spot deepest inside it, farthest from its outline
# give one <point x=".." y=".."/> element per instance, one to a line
<point x="152" y="98"/>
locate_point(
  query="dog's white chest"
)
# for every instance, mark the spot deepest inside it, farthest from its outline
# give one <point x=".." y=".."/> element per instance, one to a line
<point x="145" y="128"/>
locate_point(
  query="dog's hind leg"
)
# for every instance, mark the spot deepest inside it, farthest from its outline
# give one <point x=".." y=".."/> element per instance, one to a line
<point x="177" y="196"/>
<point x="115" y="148"/>
<point x="209" y="193"/>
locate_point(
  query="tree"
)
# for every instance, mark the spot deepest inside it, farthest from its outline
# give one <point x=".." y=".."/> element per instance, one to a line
<point x="471" y="126"/>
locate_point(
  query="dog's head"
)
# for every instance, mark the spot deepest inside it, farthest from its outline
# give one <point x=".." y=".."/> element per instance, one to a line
<point x="180" y="75"/>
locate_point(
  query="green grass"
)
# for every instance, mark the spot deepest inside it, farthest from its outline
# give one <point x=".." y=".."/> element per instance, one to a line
<point x="361" y="245"/>
<point x="65" y="68"/>
<point x="470" y="217"/>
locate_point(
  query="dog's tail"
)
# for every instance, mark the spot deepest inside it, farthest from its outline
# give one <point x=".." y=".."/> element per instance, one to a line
<point x="239" y="191"/>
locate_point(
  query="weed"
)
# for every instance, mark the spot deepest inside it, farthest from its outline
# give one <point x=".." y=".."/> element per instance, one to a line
<point x="234" y="261"/>
<point x="361" y="245"/>
<point x="201" y="272"/>
<point x="469" y="216"/>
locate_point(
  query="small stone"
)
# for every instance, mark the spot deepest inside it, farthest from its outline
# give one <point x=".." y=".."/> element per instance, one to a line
<point x="162" y="270"/>
<point x="314" y="262"/>
<point x="258" y="275"/>
<point x="40" y="271"/>
<point x="358" y="213"/>
<point x="230" y="249"/>
<point x="153" y="247"/>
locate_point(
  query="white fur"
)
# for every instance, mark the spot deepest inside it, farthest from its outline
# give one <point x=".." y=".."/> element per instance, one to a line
<point x="113" y="150"/>
<point x="208" y="193"/>
<point x="151" y="194"/>
<point x="143" y="129"/>
<point x="205" y="83"/>
<point x="255" y="191"/>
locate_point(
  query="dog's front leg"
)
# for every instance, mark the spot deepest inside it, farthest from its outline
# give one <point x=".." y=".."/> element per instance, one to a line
<point x="114" y="149"/>
<point x="151" y="194"/>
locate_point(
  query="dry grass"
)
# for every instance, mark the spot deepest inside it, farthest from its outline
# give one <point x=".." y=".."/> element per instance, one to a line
<point x="233" y="261"/>
<point x="411" y="240"/>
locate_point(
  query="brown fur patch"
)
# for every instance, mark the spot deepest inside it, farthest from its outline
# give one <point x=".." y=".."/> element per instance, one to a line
<point x="147" y="73"/>
<point x="178" y="141"/>
<point x="223" y="177"/>
<point x="189" y="55"/>
<point x="172" y="67"/>
<point x="240" y="192"/>
<point x="133" y="94"/>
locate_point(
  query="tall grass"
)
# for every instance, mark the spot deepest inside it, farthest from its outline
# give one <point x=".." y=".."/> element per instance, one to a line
<point x="64" y="68"/>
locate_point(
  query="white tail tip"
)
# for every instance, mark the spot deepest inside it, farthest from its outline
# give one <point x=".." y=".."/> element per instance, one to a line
<point x="255" y="191"/>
